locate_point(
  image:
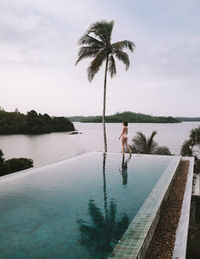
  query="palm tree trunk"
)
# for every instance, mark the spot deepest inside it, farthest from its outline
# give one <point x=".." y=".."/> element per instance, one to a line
<point x="104" y="107"/>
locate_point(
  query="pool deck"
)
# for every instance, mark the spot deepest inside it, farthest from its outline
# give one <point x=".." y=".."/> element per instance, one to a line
<point x="135" y="241"/>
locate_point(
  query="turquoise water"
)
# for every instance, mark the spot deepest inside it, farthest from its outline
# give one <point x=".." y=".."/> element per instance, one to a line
<point x="77" y="208"/>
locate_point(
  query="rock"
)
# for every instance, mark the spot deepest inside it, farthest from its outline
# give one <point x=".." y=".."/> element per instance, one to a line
<point x="75" y="133"/>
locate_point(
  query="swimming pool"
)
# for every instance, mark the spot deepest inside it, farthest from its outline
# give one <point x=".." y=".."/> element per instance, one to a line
<point x="76" y="208"/>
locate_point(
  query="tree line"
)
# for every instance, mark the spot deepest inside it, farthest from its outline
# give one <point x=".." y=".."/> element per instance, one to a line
<point x="131" y="117"/>
<point x="32" y="123"/>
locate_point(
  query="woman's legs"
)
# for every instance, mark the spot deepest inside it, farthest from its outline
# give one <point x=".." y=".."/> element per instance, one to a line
<point x="125" y="140"/>
<point x="122" y="145"/>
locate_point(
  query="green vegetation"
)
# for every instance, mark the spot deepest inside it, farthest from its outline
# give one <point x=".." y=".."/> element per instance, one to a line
<point x="32" y="123"/>
<point x="191" y="148"/>
<point x="144" y="145"/>
<point x="188" y="118"/>
<point x="162" y="150"/>
<point x="96" y="44"/>
<point x="14" y="164"/>
<point x="128" y="116"/>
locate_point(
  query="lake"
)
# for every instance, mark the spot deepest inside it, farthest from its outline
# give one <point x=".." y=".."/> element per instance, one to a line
<point x="48" y="148"/>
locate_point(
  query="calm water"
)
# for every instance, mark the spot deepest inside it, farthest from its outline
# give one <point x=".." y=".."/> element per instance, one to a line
<point x="47" y="148"/>
<point x="57" y="212"/>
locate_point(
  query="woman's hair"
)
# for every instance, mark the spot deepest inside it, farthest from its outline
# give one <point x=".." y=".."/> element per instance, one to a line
<point x="125" y="123"/>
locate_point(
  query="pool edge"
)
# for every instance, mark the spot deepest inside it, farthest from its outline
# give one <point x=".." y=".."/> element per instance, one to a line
<point x="180" y="246"/>
<point x="135" y="241"/>
<point x="22" y="173"/>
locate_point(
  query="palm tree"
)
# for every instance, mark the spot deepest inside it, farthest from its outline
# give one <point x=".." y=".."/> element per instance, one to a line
<point x="96" y="44"/>
<point x="191" y="148"/>
<point x="145" y="145"/>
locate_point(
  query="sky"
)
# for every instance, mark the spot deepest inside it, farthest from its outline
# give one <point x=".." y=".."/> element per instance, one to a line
<point x="38" y="50"/>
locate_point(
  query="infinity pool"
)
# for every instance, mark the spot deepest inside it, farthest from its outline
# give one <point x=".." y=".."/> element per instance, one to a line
<point x="76" y="208"/>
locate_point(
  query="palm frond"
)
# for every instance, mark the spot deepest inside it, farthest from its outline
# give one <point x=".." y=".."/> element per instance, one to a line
<point x="96" y="43"/>
<point x="142" y="137"/>
<point x="87" y="52"/>
<point x="89" y="40"/>
<point x="96" y="64"/>
<point x="140" y="143"/>
<point x="122" y="56"/>
<point x="162" y="150"/>
<point x="151" y="143"/>
<point x="102" y="30"/>
<point x="120" y="45"/>
<point x="112" y="66"/>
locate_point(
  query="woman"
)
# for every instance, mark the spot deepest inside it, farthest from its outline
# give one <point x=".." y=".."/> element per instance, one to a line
<point x="124" y="136"/>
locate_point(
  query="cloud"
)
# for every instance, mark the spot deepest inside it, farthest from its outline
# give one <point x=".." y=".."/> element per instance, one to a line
<point x="38" y="49"/>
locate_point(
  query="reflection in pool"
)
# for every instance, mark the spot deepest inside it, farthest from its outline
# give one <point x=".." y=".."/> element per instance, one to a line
<point x="124" y="169"/>
<point x="104" y="230"/>
<point x="75" y="208"/>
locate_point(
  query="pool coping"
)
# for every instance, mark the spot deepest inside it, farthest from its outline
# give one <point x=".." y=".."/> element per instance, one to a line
<point x="180" y="245"/>
<point x="135" y="241"/>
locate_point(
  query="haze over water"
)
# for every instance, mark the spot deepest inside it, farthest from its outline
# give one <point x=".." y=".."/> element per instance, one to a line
<point x="48" y="148"/>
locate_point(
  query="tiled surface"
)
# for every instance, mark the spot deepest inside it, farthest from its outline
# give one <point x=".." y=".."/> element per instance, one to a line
<point x="135" y="240"/>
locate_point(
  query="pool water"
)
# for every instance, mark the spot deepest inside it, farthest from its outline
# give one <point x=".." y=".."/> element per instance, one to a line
<point x="76" y="208"/>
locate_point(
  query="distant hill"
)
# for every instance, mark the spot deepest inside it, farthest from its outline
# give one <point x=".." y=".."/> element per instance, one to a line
<point x="32" y="123"/>
<point x="129" y="116"/>
<point x="188" y="118"/>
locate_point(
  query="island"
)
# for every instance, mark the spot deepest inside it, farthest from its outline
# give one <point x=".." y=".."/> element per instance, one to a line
<point x="128" y="116"/>
<point x="32" y="123"/>
<point x="188" y="118"/>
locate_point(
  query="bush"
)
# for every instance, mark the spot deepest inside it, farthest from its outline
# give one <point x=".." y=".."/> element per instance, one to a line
<point x="17" y="164"/>
<point x="191" y="148"/>
<point x="162" y="150"/>
<point x="14" y="164"/>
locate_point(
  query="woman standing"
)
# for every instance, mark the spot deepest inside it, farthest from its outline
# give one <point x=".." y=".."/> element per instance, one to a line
<point x="124" y="136"/>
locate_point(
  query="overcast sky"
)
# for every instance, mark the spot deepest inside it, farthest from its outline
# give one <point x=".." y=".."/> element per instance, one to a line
<point x="38" y="49"/>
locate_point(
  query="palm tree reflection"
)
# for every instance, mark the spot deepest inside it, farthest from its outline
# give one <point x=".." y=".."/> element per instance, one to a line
<point x="124" y="169"/>
<point x="104" y="229"/>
